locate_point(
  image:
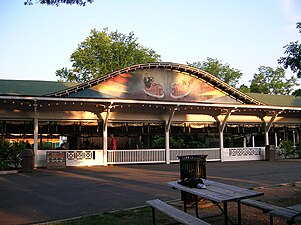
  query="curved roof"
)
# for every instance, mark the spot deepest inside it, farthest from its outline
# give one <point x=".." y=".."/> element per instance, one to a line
<point x="192" y="71"/>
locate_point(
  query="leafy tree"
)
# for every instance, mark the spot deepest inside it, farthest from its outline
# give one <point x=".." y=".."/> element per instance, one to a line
<point x="102" y="53"/>
<point x="270" y="81"/>
<point x="57" y="2"/>
<point x="297" y="93"/>
<point x="222" y="71"/>
<point x="244" y="88"/>
<point x="293" y="58"/>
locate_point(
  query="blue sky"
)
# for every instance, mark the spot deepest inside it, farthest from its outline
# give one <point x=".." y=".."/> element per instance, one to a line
<point x="37" y="40"/>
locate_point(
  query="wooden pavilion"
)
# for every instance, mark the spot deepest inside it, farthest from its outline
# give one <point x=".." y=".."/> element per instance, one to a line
<point x="177" y="109"/>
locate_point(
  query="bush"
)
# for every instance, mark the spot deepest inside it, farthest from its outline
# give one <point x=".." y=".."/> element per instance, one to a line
<point x="287" y="148"/>
<point x="15" y="153"/>
<point x="298" y="150"/>
<point x="159" y="142"/>
<point x="10" y="154"/>
<point x="4" y="152"/>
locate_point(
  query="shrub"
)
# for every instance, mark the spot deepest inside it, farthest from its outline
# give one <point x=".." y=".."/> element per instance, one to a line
<point x="10" y="154"/>
<point x="15" y="153"/>
<point x="159" y="142"/>
<point x="287" y="148"/>
<point x="4" y="152"/>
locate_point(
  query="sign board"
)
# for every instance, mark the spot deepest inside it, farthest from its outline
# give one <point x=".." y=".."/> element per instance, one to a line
<point x="56" y="159"/>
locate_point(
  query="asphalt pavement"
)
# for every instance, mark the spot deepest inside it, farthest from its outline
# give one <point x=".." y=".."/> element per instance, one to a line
<point x="48" y="195"/>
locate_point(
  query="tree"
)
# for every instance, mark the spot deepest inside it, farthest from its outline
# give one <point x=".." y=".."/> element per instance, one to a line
<point x="244" y="88"/>
<point x="222" y="71"/>
<point x="293" y="58"/>
<point x="270" y="81"/>
<point x="57" y="2"/>
<point x="297" y="93"/>
<point x="102" y="53"/>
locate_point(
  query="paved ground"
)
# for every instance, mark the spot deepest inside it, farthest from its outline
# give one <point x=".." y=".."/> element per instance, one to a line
<point x="47" y="195"/>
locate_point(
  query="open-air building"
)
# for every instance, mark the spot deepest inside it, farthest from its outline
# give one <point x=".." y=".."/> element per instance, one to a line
<point x="176" y="109"/>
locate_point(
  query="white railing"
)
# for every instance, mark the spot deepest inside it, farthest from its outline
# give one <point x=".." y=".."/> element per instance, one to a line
<point x="136" y="156"/>
<point x="245" y="153"/>
<point x="213" y="154"/>
<point x="89" y="157"/>
<point x="157" y="155"/>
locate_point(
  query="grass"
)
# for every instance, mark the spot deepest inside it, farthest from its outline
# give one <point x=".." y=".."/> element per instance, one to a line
<point x="136" y="216"/>
<point x="281" y="195"/>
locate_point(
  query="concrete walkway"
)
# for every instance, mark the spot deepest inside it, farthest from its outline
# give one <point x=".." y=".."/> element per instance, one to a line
<point x="48" y="195"/>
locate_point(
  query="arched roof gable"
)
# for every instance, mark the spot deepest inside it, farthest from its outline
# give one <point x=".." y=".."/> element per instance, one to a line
<point x="206" y="80"/>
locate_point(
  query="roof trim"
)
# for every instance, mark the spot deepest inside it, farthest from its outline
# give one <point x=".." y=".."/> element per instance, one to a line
<point x="207" y="77"/>
<point x="125" y="101"/>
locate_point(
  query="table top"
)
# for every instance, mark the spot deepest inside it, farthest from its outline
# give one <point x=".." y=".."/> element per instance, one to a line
<point x="295" y="207"/>
<point x="216" y="191"/>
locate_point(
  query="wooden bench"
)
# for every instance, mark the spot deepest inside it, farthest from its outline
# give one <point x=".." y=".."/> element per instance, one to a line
<point x="174" y="213"/>
<point x="290" y="214"/>
<point x="265" y="207"/>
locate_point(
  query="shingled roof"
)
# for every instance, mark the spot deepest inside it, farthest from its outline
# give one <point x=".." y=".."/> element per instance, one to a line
<point x="277" y="100"/>
<point x="32" y="87"/>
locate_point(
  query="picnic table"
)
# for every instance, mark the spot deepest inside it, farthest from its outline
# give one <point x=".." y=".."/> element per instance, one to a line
<point x="217" y="192"/>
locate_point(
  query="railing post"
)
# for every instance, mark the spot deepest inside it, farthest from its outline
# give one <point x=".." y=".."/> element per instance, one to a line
<point x="167" y="149"/>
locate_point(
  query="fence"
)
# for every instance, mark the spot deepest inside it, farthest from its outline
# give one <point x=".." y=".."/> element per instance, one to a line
<point x="138" y="156"/>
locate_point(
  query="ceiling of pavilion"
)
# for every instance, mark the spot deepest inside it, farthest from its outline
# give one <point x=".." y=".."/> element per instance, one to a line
<point x="159" y="81"/>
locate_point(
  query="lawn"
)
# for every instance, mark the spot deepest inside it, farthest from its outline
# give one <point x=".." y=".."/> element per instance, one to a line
<point x="278" y="195"/>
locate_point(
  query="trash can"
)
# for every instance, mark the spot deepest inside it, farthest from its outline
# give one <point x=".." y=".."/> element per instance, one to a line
<point x="270" y="151"/>
<point x="192" y="166"/>
<point x="27" y="161"/>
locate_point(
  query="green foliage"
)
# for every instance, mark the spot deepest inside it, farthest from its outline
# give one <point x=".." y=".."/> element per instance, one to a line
<point x="270" y="81"/>
<point x="15" y="152"/>
<point x="244" y="88"/>
<point x="297" y="93"/>
<point x="293" y="55"/>
<point x="298" y="150"/>
<point x="176" y="142"/>
<point x="159" y="142"/>
<point x="10" y="154"/>
<point x="189" y="141"/>
<point x="4" y="154"/>
<point x="287" y="148"/>
<point x="57" y="2"/>
<point x="102" y="53"/>
<point x="45" y="146"/>
<point x="222" y="71"/>
<point x="195" y="141"/>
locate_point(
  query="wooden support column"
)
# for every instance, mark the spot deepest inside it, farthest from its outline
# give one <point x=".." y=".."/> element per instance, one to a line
<point x="105" y="135"/>
<point x="167" y="129"/>
<point x="267" y="127"/>
<point x="221" y="133"/>
<point x="35" y="133"/>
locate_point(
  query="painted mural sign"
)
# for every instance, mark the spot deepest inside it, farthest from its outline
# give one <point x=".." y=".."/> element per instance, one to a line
<point x="152" y="84"/>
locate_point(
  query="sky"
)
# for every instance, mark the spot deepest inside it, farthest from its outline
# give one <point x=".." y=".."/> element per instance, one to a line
<point x="37" y="40"/>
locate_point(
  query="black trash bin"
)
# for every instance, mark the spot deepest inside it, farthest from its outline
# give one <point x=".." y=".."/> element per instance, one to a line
<point x="270" y="151"/>
<point x="27" y="161"/>
<point x="192" y="166"/>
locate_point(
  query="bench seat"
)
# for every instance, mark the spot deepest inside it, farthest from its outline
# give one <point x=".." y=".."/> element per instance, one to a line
<point x="265" y="207"/>
<point x="289" y="213"/>
<point x="174" y="213"/>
